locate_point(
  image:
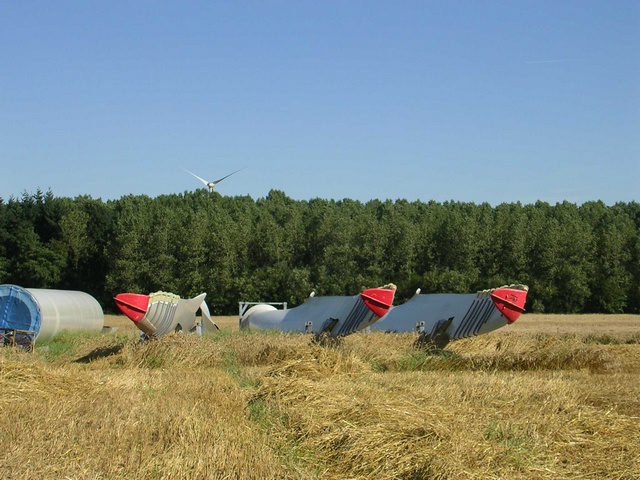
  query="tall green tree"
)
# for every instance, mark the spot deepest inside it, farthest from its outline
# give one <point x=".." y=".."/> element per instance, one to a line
<point x="574" y="258"/>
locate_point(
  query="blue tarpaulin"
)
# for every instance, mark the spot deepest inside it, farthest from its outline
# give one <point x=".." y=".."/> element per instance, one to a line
<point x="19" y="310"/>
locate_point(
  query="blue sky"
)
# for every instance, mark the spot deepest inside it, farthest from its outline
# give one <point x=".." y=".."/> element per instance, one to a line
<point x="475" y="101"/>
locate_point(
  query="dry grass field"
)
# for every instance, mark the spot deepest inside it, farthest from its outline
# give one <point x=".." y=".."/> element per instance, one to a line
<point x="550" y="397"/>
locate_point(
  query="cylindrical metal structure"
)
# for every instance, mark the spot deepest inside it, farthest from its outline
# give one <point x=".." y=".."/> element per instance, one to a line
<point x="48" y="312"/>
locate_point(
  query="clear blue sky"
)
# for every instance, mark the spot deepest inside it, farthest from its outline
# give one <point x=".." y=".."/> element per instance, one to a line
<point x="478" y="101"/>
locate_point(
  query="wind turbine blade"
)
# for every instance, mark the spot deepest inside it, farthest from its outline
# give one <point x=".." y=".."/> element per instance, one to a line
<point x="220" y="179"/>
<point x="206" y="317"/>
<point x="201" y="179"/>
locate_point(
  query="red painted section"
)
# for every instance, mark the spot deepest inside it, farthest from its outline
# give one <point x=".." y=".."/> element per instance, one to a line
<point x="379" y="300"/>
<point x="133" y="305"/>
<point x="510" y="302"/>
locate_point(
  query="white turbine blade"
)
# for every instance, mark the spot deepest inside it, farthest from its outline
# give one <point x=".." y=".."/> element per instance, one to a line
<point x="220" y="179"/>
<point x="206" y="315"/>
<point x="199" y="178"/>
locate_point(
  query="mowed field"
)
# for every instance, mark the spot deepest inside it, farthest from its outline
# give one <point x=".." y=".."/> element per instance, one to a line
<point x="528" y="323"/>
<point x="549" y="397"/>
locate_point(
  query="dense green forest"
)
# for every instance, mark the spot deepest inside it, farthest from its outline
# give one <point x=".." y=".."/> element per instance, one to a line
<point x="575" y="258"/>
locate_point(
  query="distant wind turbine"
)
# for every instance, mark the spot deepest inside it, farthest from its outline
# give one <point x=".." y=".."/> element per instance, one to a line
<point x="208" y="184"/>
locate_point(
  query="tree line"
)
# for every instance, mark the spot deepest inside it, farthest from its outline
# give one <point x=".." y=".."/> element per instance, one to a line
<point x="575" y="258"/>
